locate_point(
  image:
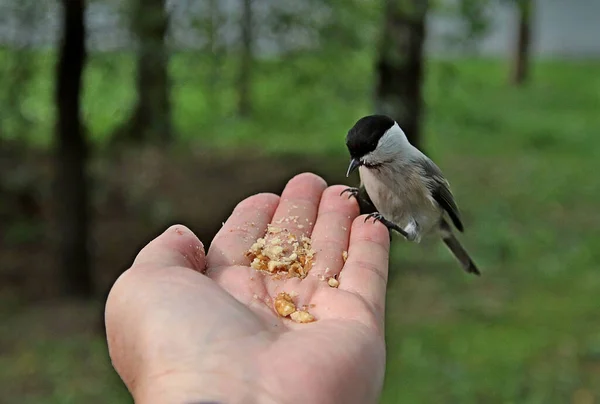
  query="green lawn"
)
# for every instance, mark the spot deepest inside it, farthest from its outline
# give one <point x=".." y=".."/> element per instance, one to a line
<point x="522" y="163"/>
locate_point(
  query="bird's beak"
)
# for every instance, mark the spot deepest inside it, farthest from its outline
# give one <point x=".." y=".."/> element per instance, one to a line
<point x="354" y="164"/>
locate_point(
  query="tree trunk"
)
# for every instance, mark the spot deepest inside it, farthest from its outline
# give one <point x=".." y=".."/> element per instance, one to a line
<point x="71" y="156"/>
<point x="151" y="119"/>
<point x="215" y="49"/>
<point x="399" y="67"/>
<point x="521" y="59"/>
<point x="246" y="62"/>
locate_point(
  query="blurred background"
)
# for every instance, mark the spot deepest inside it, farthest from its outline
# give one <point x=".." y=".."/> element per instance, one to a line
<point x="121" y="117"/>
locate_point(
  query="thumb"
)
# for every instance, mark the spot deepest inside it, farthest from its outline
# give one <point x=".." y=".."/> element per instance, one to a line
<point x="177" y="246"/>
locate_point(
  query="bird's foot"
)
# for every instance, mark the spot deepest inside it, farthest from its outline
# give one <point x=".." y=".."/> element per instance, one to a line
<point x="352" y="192"/>
<point x="378" y="217"/>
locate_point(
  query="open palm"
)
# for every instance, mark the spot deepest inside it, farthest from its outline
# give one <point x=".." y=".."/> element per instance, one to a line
<point x="185" y="326"/>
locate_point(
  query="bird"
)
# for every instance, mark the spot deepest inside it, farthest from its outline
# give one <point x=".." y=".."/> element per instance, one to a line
<point x="401" y="187"/>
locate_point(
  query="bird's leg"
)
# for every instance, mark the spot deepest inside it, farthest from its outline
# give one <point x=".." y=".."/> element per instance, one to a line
<point x="352" y="192"/>
<point x="376" y="216"/>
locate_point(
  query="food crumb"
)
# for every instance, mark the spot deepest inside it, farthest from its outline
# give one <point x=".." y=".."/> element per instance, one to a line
<point x="284" y="306"/>
<point x="281" y="252"/>
<point x="344" y="255"/>
<point x="302" y="316"/>
<point x="334" y="283"/>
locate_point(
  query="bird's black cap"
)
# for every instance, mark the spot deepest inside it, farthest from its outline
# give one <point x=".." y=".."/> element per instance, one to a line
<point x="365" y="134"/>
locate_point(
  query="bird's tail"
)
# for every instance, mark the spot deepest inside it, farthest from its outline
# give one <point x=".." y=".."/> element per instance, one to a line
<point x="457" y="249"/>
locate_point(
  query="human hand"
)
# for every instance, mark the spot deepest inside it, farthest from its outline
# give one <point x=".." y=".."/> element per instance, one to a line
<point x="183" y="327"/>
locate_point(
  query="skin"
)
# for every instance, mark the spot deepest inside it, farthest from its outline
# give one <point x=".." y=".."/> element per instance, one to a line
<point x="185" y="327"/>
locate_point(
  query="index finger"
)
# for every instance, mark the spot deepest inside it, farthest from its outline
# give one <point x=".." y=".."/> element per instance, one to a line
<point x="365" y="272"/>
<point x="247" y="222"/>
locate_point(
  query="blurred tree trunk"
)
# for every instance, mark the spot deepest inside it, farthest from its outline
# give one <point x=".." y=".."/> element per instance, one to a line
<point x="20" y="68"/>
<point x="215" y="19"/>
<point x="246" y="62"/>
<point x="520" y="72"/>
<point x="71" y="156"/>
<point x="151" y="119"/>
<point x="399" y="66"/>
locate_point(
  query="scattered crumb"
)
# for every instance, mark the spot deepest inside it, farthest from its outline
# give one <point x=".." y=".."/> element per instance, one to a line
<point x="344" y="255"/>
<point x="284" y="306"/>
<point x="302" y="316"/>
<point x="282" y="253"/>
<point x="279" y="253"/>
<point x="334" y="283"/>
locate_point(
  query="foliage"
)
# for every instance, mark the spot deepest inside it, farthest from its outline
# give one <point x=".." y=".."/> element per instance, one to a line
<point x="519" y="161"/>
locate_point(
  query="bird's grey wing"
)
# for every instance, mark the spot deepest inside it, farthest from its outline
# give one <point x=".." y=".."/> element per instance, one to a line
<point x="364" y="201"/>
<point x="440" y="191"/>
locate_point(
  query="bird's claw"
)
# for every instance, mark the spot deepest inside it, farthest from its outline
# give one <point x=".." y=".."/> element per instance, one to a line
<point x="376" y="217"/>
<point x="352" y="192"/>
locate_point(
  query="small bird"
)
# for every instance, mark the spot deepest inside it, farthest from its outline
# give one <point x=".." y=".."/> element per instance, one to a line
<point x="401" y="187"/>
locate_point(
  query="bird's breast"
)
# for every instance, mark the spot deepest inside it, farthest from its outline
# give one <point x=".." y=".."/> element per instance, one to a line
<point x="401" y="197"/>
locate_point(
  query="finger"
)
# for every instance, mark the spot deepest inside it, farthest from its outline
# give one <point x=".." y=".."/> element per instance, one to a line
<point x="366" y="269"/>
<point x="177" y="246"/>
<point x="247" y="222"/>
<point x="331" y="233"/>
<point x="299" y="204"/>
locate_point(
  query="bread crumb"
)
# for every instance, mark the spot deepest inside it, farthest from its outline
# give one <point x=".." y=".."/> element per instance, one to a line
<point x="334" y="283"/>
<point x="344" y="255"/>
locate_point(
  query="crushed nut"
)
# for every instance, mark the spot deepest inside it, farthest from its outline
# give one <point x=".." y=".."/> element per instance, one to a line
<point x="284" y="306"/>
<point x="302" y="316"/>
<point x="282" y="252"/>
<point x="334" y="283"/>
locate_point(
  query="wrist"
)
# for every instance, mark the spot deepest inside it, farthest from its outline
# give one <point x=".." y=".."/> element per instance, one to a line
<point x="198" y="389"/>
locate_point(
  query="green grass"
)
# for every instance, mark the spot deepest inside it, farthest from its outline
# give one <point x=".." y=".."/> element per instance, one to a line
<point x="522" y="163"/>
